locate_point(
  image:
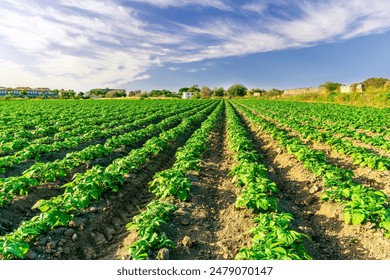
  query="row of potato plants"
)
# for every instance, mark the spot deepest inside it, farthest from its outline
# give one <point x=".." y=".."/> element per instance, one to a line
<point x="369" y="119"/>
<point x="272" y="237"/>
<point x="27" y="120"/>
<point x="172" y="182"/>
<point x="52" y="171"/>
<point x="89" y="187"/>
<point x="361" y="203"/>
<point x="321" y="122"/>
<point x="361" y="156"/>
<point x="61" y="130"/>
<point x="80" y="122"/>
<point x="343" y="129"/>
<point x="34" y="151"/>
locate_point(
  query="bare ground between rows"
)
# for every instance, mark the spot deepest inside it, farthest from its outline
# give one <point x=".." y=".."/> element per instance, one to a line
<point x="99" y="230"/>
<point x="18" y="169"/>
<point x="378" y="151"/>
<point x="323" y="222"/>
<point x="208" y="226"/>
<point x="20" y="208"/>
<point x="379" y="180"/>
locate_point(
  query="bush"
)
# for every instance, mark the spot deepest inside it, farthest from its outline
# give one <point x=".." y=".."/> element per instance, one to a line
<point x="331" y="86"/>
<point x="236" y="90"/>
<point x="273" y="92"/>
<point x="375" y="83"/>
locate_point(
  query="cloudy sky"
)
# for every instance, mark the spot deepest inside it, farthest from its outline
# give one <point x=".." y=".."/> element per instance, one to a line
<point x="156" y="44"/>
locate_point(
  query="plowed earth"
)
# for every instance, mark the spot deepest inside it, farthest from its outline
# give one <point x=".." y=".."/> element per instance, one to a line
<point x="208" y="225"/>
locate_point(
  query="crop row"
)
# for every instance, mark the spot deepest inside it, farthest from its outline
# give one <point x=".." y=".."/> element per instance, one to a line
<point x="172" y="182"/>
<point x="366" y="118"/>
<point x="75" y="128"/>
<point x="52" y="171"/>
<point x="35" y="151"/>
<point x="20" y="121"/>
<point x="361" y="203"/>
<point x="360" y="155"/>
<point x="272" y="237"/>
<point x="89" y="187"/>
<point x="30" y="120"/>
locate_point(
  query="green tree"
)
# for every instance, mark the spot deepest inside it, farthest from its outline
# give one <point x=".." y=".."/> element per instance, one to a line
<point x="273" y="92"/>
<point x="194" y="88"/>
<point x="236" y="90"/>
<point x="67" y="94"/>
<point x="22" y="93"/>
<point x="205" y="92"/>
<point x="331" y="86"/>
<point x="252" y="91"/>
<point x="218" y="92"/>
<point x="375" y="83"/>
<point x="184" y="89"/>
<point x="196" y="95"/>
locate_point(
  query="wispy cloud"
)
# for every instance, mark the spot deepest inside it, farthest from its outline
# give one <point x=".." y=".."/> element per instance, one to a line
<point x="256" y="7"/>
<point x="83" y="43"/>
<point x="218" y="4"/>
<point x="313" y="22"/>
<point x="79" y="44"/>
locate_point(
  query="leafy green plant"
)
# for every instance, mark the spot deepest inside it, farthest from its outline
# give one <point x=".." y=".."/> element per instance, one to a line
<point x="147" y="225"/>
<point x="273" y="240"/>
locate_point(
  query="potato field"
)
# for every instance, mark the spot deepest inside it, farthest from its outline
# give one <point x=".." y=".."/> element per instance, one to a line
<point x="198" y="179"/>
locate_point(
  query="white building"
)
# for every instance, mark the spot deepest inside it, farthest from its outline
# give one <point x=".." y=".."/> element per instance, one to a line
<point x="187" y="95"/>
<point x="352" y="88"/>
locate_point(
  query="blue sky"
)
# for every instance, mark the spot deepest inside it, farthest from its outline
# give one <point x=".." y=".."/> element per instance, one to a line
<point x="156" y="44"/>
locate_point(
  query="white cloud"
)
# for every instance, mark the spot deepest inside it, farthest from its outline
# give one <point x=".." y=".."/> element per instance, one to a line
<point x="106" y="45"/>
<point x="218" y="4"/>
<point x="329" y="21"/>
<point x="83" y="44"/>
<point x="255" y="7"/>
<point x="316" y="22"/>
<point x="142" y="77"/>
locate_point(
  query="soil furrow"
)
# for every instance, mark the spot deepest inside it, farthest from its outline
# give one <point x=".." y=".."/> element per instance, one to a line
<point x="99" y="231"/>
<point x="208" y="226"/>
<point x="300" y="194"/>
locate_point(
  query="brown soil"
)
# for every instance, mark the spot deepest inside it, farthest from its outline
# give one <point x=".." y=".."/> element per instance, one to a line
<point x="18" y="169"/>
<point x="208" y="226"/>
<point x="379" y="180"/>
<point x="300" y="194"/>
<point x="372" y="134"/>
<point x="98" y="231"/>
<point x="370" y="148"/>
<point x="210" y="220"/>
<point x="20" y="208"/>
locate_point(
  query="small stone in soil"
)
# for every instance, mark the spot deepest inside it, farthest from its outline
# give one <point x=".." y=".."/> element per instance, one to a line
<point x="163" y="254"/>
<point x="314" y="189"/>
<point x="187" y="242"/>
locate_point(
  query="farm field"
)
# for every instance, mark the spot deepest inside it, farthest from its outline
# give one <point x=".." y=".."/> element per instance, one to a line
<point x="193" y="179"/>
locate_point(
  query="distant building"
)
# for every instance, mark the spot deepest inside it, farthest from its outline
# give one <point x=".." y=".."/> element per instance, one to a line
<point x="297" y="91"/>
<point x="27" y="92"/>
<point x="187" y="95"/>
<point x="352" y="88"/>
